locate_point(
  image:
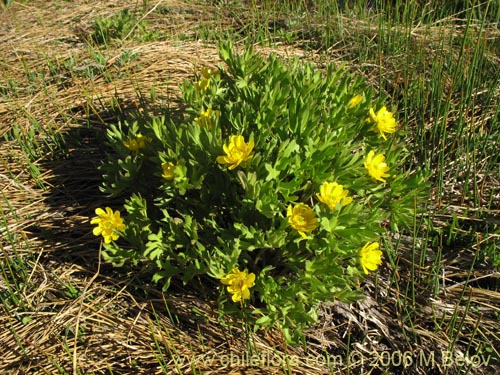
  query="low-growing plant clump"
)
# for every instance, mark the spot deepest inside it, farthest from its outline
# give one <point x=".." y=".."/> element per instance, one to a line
<point x="279" y="184"/>
<point x="122" y="25"/>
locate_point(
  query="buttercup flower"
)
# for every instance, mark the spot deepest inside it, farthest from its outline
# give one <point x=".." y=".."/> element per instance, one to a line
<point x="384" y="121"/>
<point x="108" y="223"/>
<point x="370" y="257"/>
<point x="168" y="170"/>
<point x="205" y="118"/>
<point x="355" y="100"/>
<point x="237" y="151"/>
<point x="208" y="73"/>
<point x="302" y="218"/>
<point x="376" y="166"/>
<point x="239" y="284"/>
<point x="331" y="194"/>
<point x="203" y="83"/>
<point x="137" y="143"/>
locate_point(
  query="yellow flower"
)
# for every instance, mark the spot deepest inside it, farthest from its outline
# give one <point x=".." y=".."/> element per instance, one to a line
<point x="205" y="118"/>
<point x="355" y="100"/>
<point x="137" y="143"/>
<point x="208" y="73"/>
<point x="203" y="83"/>
<point x="376" y="166"/>
<point x="370" y="257"/>
<point x="239" y="284"/>
<point x="237" y="151"/>
<point x="168" y="170"/>
<point x="302" y="218"/>
<point x="384" y="121"/>
<point x="108" y="222"/>
<point x="331" y="194"/>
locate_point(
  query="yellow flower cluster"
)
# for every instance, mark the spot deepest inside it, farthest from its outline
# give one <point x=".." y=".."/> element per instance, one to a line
<point x="302" y="218"/>
<point x="239" y="282"/>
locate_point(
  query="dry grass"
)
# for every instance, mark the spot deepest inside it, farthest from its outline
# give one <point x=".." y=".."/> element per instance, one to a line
<point x="78" y="316"/>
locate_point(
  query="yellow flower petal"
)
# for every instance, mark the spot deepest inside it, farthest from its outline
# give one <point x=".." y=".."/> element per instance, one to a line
<point x="100" y="212"/>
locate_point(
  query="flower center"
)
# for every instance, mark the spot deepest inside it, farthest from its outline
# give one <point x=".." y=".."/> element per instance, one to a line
<point x="300" y="220"/>
<point x="237" y="153"/>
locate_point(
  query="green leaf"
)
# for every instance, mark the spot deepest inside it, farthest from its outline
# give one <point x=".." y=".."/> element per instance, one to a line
<point x="264" y="321"/>
<point x="272" y="173"/>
